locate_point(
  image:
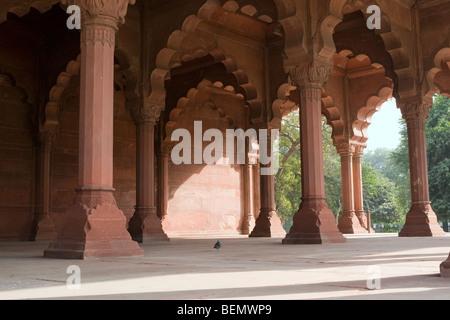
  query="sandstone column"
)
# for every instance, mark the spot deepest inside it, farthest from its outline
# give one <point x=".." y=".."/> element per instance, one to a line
<point x="314" y="223"/>
<point x="44" y="229"/>
<point x="256" y="191"/>
<point x="346" y="222"/>
<point x="94" y="226"/>
<point x="349" y="222"/>
<point x="163" y="183"/>
<point x="421" y="220"/>
<point x="358" y="190"/>
<point x="445" y="268"/>
<point x="145" y="225"/>
<point x="248" y="198"/>
<point x="268" y="223"/>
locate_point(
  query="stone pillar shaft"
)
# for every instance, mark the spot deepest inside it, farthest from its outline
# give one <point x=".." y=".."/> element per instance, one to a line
<point x="94" y="226"/>
<point x="145" y="195"/>
<point x="358" y="192"/>
<point x="163" y="185"/>
<point x="445" y="268"/>
<point x="418" y="162"/>
<point x="350" y="222"/>
<point x="358" y="184"/>
<point x="348" y="199"/>
<point x="347" y="221"/>
<point x="145" y="224"/>
<point x="314" y="223"/>
<point x="248" y="198"/>
<point x="421" y="221"/>
<point x="97" y="107"/>
<point x="44" y="229"/>
<point x="268" y="223"/>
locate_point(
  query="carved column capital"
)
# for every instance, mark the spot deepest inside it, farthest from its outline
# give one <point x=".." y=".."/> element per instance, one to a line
<point x="359" y="151"/>
<point x="311" y="75"/>
<point x="415" y="110"/>
<point x="100" y="19"/>
<point x="346" y="149"/>
<point x="101" y="9"/>
<point x="145" y="112"/>
<point x="47" y="137"/>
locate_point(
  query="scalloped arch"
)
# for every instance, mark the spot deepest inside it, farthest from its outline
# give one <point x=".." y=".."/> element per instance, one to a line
<point x="439" y="76"/>
<point x="334" y="118"/>
<point x="177" y="114"/>
<point x="57" y="92"/>
<point x="392" y="41"/>
<point x="9" y="79"/>
<point x="265" y="11"/>
<point x="189" y="44"/>
<point x="21" y="8"/>
<point x="52" y="108"/>
<point x="356" y="122"/>
<point x="364" y="117"/>
<point x="288" y="101"/>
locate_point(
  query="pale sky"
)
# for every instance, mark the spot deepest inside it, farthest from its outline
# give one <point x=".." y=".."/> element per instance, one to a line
<point x="384" y="132"/>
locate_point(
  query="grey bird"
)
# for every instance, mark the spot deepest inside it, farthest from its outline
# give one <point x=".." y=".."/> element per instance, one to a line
<point x="218" y="245"/>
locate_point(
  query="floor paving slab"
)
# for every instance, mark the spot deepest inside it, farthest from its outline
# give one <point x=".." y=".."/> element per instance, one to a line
<point x="367" y="267"/>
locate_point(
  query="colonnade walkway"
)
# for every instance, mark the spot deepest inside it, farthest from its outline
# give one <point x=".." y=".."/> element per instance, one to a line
<point x="256" y="268"/>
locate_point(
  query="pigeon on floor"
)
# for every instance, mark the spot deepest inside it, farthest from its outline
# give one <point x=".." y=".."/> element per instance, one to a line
<point x="218" y="245"/>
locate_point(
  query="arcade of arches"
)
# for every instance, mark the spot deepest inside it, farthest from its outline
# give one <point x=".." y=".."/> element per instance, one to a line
<point x="87" y="115"/>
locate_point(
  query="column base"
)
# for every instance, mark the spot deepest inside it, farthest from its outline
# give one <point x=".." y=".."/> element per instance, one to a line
<point x="145" y="226"/>
<point x="363" y="220"/>
<point x="93" y="227"/>
<point x="421" y="221"/>
<point x="445" y="268"/>
<point x="268" y="225"/>
<point x="249" y="224"/>
<point x="349" y="223"/>
<point x="45" y="229"/>
<point x="314" y="223"/>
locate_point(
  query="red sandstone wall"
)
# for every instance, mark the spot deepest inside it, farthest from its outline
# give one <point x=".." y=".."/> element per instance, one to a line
<point x="204" y="200"/>
<point x="65" y="158"/>
<point x="16" y="165"/>
<point x="64" y="161"/>
<point x="124" y="157"/>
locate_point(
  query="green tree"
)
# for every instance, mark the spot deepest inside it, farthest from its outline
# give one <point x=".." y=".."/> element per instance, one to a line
<point x="400" y="176"/>
<point x="380" y="200"/>
<point x="438" y="150"/>
<point x="332" y="171"/>
<point x="380" y="192"/>
<point x="438" y="144"/>
<point x="383" y="162"/>
<point x="288" y="178"/>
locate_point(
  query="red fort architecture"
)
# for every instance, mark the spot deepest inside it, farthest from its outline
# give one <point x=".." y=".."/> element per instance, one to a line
<point x="87" y="115"/>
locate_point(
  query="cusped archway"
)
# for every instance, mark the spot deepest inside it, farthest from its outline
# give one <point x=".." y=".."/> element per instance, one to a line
<point x="341" y="10"/>
<point x="439" y="76"/>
